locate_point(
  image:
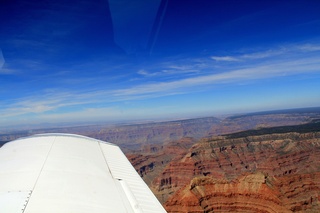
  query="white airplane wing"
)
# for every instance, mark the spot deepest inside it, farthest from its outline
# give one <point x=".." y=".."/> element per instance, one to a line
<point x="64" y="173"/>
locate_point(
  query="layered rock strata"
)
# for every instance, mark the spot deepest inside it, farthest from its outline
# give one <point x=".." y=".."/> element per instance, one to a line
<point x="152" y="159"/>
<point x="268" y="173"/>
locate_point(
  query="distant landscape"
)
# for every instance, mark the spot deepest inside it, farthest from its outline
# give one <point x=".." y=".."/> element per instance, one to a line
<point x="222" y="164"/>
<point x="133" y="136"/>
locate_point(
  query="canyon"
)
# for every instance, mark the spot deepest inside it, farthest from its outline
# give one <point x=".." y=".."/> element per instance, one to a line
<point x="267" y="173"/>
<point x="132" y="136"/>
<point x="265" y="169"/>
<point x="260" y="162"/>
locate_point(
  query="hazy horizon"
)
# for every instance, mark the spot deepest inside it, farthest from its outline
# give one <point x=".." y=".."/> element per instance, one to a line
<point x="119" y="60"/>
<point x="105" y="123"/>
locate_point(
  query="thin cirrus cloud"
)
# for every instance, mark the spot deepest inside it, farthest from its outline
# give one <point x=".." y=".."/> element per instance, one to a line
<point x="309" y="47"/>
<point x="55" y="102"/>
<point x="263" y="71"/>
<point x="280" y="51"/>
<point x="241" y="58"/>
<point x="276" y="64"/>
<point x="89" y="114"/>
<point x="174" y="70"/>
<point x="225" y="58"/>
<point x="1" y="61"/>
<point x="38" y="104"/>
<point x="148" y="74"/>
<point x="4" y="70"/>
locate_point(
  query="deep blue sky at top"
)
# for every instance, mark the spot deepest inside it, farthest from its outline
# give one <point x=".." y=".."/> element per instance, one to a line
<point x="100" y="60"/>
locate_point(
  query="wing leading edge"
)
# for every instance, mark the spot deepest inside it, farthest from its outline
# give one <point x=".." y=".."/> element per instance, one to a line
<point x="68" y="173"/>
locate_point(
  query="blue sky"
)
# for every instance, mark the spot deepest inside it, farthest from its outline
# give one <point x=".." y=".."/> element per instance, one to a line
<point x="119" y="60"/>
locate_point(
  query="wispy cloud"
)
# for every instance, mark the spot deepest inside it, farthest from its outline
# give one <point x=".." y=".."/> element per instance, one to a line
<point x="280" y="51"/>
<point x="249" y="56"/>
<point x="3" y="68"/>
<point x="54" y="102"/>
<point x="6" y="71"/>
<point x="170" y="70"/>
<point x="309" y="47"/>
<point x="87" y="114"/>
<point x="147" y="74"/>
<point x="1" y="59"/>
<point x="276" y="69"/>
<point x="262" y="55"/>
<point x="225" y="58"/>
<point x="37" y="104"/>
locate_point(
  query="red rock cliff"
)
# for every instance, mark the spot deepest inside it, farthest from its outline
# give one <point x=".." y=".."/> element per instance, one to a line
<point x="268" y="173"/>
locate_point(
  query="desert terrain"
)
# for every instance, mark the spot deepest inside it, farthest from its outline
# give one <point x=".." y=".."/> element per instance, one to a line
<point x="259" y="162"/>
